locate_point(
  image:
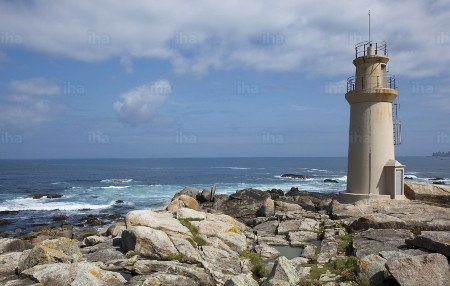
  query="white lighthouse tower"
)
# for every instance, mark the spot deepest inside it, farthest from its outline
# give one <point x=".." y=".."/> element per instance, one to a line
<point x="373" y="172"/>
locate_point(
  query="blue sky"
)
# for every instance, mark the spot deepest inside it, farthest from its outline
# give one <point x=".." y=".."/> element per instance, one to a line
<point x="239" y="78"/>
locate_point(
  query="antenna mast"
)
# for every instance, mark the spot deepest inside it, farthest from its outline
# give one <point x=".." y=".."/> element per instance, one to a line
<point x="369" y="26"/>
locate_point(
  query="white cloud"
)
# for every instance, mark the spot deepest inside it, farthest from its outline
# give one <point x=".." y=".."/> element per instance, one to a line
<point x="127" y="64"/>
<point x="25" y="104"/>
<point x="140" y="104"/>
<point x="313" y="37"/>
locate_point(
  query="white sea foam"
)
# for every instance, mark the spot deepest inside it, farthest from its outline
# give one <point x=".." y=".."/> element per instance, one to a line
<point x="115" y="187"/>
<point x="116" y="181"/>
<point x="233" y="168"/>
<point x="30" y="204"/>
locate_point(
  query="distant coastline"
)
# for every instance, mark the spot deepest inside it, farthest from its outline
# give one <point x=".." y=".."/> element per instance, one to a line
<point x="441" y="154"/>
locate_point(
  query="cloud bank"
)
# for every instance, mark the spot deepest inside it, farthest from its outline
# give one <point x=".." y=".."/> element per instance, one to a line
<point x="314" y="37"/>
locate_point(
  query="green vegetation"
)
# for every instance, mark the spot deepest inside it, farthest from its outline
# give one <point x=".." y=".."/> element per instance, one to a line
<point x="130" y="254"/>
<point x="196" y="239"/>
<point x="345" y="244"/>
<point x="346" y="267"/>
<point x="259" y="269"/>
<point x="171" y="257"/>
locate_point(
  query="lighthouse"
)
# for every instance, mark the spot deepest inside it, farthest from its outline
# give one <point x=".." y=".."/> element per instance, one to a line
<point x="373" y="172"/>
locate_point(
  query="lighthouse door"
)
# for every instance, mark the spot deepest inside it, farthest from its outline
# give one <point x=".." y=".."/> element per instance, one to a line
<point x="399" y="181"/>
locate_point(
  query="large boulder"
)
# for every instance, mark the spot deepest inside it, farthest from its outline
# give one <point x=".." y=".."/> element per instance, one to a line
<point x="190" y="214"/>
<point x="220" y="263"/>
<point x="76" y="274"/>
<point x="372" y="267"/>
<point x="187" y="191"/>
<point x="427" y="192"/>
<point x="429" y="269"/>
<point x="436" y="241"/>
<point x="376" y="240"/>
<point x="241" y="280"/>
<point x="245" y="205"/>
<point x="228" y="232"/>
<point x="183" y="201"/>
<point x="13" y="245"/>
<point x="50" y="251"/>
<point x="283" y="273"/>
<point x="266" y="228"/>
<point x="301" y="238"/>
<point x="287" y="207"/>
<point x="158" y="220"/>
<point x="148" y="242"/>
<point x="116" y="229"/>
<point x="197" y="274"/>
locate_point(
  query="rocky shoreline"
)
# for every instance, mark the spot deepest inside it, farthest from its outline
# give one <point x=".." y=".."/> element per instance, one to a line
<point x="251" y="237"/>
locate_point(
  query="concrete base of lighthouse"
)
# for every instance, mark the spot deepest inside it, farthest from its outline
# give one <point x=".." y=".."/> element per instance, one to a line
<point x="350" y="198"/>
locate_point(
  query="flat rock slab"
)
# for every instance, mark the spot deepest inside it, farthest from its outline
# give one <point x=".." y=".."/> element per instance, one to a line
<point x="436" y="241"/>
<point x="394" y="214"/>
<point x="377" y="240"/>
<point x="428" y="192"/>
<point x="429" y="269"/>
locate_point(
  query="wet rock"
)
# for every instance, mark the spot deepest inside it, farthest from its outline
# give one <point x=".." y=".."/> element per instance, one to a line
<point x="94" y="240"/>
<point x="376" y="240"/>
<point x="60" y="217"/>
<point x="204" y="196"/>
<point x="372" y="267"/>
<point x="83" y="233"/>
<point x="91" y="220"/>
<point x="116" y="229"/>
<point x="13" y="245"/>
<point x="436" y="241"/>
<point x="197" y="274"/>
<point x="4" y="222"/>
<point x="148" y="242"/>
<point x="183" y="201"/>
<point x="267" y="208"/>
<point x="187" y="191"/>
<point x="430" y="269"/>
<point x="244" y="205"/>
<point x="50" y="251"/>
<point x="48" y="196"/>
<point x="275" y="193"/>
<point x="241" y="280"/>
<point x="294" y="191"/>
<point x="331" y="181"/>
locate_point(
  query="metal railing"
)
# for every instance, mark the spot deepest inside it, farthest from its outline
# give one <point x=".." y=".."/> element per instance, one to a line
<point x="379" y="48"/>
<point x="370" y="82"/>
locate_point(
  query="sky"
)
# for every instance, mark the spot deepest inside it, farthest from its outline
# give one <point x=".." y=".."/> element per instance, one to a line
<point x="143" y="79"/>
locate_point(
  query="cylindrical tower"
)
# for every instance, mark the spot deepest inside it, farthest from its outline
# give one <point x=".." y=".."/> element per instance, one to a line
<point x="370" y="94"/>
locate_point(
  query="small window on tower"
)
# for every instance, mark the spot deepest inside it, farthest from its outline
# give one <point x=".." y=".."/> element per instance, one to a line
<point x="383" y="67"/>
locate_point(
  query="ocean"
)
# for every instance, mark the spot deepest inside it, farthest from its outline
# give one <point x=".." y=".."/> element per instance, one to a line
<point x="116" y="186"/>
